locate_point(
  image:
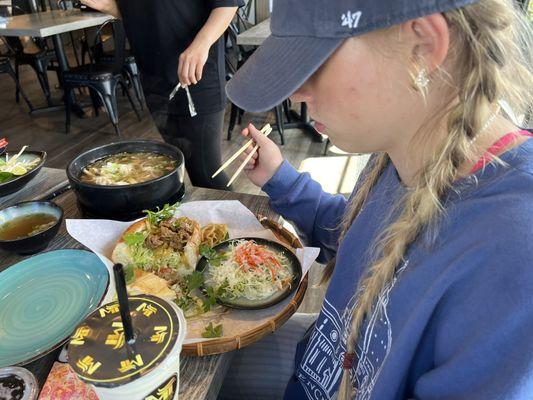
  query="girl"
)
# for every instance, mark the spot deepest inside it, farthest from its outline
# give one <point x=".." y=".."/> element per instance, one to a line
<point x="181" y="40"/>
<point x="429" y="263"/>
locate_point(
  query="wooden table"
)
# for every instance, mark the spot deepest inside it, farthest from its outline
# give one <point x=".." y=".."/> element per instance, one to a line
<point x="255" y="36"/>
<point x="47" y="181"/>
<point x="53" y="23"/>
<point x="200" y="377"/>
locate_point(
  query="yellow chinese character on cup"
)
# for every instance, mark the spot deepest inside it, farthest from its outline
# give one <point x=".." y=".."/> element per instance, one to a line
<point x="109" y="309"/>
<point x="87" y="364"/>
<point x="116" y="339"/>
<point x="159" y="335"/>
<point x="79" y="336"/>
<point x="147" y="309"/>
<point x="128" y="365"/>
<point x="165" y="393"/>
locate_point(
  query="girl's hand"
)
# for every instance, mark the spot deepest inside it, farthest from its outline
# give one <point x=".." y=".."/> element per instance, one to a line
<point x="105" y="6"/>
<point x="265" y="162"/>
<point x="192" y="61"/>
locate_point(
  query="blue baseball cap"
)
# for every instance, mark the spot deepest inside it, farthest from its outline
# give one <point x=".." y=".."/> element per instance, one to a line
<point x="304" y="35"/>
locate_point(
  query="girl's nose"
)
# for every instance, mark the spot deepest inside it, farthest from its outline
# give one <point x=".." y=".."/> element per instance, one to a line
<point x="302" y="95"/>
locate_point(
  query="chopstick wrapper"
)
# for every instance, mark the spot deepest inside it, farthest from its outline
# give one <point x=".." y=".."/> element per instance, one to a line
<point x="100" y="236"/>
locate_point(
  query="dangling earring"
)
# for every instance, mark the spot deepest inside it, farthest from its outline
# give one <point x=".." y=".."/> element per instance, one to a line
<point x="421" y="80"/>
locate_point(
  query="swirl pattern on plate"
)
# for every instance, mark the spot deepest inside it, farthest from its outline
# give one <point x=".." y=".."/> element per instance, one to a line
<point x="44" y="298"/>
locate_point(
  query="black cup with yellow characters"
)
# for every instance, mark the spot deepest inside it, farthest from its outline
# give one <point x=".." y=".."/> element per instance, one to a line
<point x="148" y="367"/>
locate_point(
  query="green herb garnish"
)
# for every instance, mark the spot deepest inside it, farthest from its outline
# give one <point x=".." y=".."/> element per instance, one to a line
<point x="194" y="281"/>
<point x="156" y="217"/>
<point x="133" y="239"/>
<point x="185" y="302"/>
<point x="129" y="273"/>
<point x="6" y="176"/>
<point x="214" y="258"/>
<point x="212" y="331"/>
<point x="210" y="300"/>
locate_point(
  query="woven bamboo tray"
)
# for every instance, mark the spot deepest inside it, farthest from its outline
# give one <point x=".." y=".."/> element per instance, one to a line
<point x="226" y="343"/>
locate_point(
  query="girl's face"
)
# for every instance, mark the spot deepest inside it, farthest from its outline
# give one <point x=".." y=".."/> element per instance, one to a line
<point x="361" y="96"/>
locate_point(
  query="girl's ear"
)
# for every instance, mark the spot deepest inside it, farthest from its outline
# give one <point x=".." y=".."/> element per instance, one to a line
<point x="429" y="40"/>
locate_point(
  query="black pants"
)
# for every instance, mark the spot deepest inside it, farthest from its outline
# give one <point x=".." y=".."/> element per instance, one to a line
<point x="197" y="137"/>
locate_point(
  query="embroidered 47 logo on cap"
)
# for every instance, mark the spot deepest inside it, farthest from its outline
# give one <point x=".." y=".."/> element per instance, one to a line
<point x="351" y="20"/>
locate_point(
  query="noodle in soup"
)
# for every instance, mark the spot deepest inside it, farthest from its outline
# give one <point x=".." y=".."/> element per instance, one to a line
<point x="127" y="169"/>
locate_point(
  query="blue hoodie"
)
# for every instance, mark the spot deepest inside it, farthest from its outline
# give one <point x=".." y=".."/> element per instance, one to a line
<point x="457" y="320"/>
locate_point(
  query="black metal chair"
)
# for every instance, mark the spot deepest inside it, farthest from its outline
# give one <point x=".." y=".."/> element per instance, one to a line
<point x="101" y="79"/>
<point x="130" y="71"/>
<point x="40" y="61"/>
<point x="6" y="68"/>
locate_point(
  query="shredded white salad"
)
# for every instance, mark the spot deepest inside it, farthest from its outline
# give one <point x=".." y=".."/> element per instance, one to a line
<point x="249" y="270"/>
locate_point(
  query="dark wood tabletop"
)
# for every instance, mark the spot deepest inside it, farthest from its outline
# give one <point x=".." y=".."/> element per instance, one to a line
<point x="200" y="377"/>
<point x="47" y="181"/>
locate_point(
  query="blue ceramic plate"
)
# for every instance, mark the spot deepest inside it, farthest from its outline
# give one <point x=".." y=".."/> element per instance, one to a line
<point x="44" y="298"/>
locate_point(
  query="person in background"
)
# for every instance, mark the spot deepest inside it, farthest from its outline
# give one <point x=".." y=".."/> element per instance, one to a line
<point x="430" y="262"/>
<point x="181" y="40"/>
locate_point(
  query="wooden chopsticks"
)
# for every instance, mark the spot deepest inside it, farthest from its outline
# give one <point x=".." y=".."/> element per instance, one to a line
<point x="266" y="130"/>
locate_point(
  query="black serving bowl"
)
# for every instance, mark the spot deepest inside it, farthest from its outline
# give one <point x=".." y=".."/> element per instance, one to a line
<point x="244" y="303"/>
<point x="19" y="182"/>
<point x="35" y="243"/>
<point x="120" y="202"/>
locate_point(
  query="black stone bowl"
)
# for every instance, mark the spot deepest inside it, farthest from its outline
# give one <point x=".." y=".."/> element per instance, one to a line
<point x="243" y="303"/>
<point x="35" y="243"/>
<point x="19" y="182"/>
<point x="120" y="202"/>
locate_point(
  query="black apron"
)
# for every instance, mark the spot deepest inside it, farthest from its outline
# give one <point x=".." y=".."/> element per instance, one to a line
<point x="158" y="32"/>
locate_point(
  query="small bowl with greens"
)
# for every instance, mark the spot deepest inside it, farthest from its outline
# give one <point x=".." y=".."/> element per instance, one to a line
<point x="17" y="168"/>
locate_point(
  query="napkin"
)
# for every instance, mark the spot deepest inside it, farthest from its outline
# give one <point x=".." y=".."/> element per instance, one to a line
<point x="100" y="237"/>
<point x="63" y="384"/>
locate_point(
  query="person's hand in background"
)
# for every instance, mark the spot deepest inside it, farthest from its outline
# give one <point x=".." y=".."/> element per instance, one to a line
<point x="192" y="61"/>
<point x="105" y="6"/>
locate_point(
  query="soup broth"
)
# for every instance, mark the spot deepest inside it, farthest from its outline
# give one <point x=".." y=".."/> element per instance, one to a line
<point x="25" y="226"/>
<point x="127" y="169"/>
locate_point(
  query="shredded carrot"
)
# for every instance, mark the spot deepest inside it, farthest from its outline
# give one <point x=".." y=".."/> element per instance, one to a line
<point x="250" y="256"/>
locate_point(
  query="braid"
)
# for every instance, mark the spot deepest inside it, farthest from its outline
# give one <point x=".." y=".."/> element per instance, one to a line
<point x="485" y="34"/>
<point x="371" y="174"/>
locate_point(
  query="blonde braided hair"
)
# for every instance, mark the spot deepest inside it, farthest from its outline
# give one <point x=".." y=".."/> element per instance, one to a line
<point x="491" y="48"/>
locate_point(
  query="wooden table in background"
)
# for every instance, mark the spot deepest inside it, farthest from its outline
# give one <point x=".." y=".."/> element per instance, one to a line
<point x="256" y="35"/>
<point x="47" y="181"/>
<point x="200" y="377"/>
<point x="53" y="23"/>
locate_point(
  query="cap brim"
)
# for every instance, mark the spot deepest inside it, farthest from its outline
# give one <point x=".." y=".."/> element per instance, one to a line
<point x="277" y="69"/>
